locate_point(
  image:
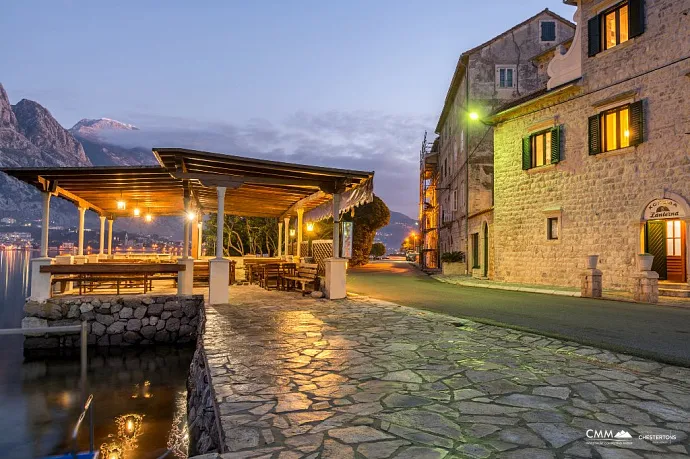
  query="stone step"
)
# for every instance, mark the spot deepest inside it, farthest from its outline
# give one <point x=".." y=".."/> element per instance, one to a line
<point x="663" y="291"/>
<point x="674" y="285"/>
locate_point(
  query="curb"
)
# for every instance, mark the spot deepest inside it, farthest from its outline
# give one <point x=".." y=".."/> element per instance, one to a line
<point x="513" y="289"/>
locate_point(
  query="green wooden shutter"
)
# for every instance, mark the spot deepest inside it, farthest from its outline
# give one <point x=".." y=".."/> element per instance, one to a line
<point x="594" y="34"/>
<point x="526" y="153"/>
<point x="555" y="144"/>
<point x="594" y="135"/>
<point x="636" y="123"/>
<point x="635" y="18"/>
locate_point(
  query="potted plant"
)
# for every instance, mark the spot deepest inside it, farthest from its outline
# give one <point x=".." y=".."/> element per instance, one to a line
<point x="453" y="263"/>
<point x="644" y="261"/>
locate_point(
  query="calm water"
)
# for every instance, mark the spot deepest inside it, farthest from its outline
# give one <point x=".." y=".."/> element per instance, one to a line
<point x="39" y="394"/>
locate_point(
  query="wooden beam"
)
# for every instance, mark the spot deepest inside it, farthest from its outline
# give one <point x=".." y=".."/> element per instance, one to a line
<point x="304" y="202"/>
<point x="59" y="191"/>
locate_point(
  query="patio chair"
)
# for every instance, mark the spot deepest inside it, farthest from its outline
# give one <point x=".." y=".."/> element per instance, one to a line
<point x="270" y="274"/>
<point x="287" y="270"/>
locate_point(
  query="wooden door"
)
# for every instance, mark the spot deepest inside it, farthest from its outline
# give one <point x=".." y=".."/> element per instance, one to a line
<point x="655" y="243"/>
<point x="675" y="250"/>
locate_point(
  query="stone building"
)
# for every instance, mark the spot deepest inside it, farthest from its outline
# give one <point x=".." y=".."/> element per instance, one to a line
<point x="500" y="70"/>
<point x="598" y="161"/>
<point x="429" y="257"/>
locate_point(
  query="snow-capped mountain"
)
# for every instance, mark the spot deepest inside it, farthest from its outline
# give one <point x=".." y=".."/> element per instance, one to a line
<point x="93" y="127"/>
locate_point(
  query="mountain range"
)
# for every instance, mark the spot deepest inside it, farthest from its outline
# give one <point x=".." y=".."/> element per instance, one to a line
<point x="31" y="137"/>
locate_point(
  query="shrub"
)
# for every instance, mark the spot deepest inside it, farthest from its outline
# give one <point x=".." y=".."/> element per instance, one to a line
<point x="453" y="257"/>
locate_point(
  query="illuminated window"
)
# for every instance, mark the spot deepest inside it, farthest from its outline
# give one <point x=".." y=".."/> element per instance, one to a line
<point x="615" y="26"/>
<point x="615" y="128"/>
<point x="541" y="149"/>
<point x="673" y="239"/>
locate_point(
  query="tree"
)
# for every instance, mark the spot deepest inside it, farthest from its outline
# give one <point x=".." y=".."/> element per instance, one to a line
<point x="366" y="220"/>
<point x="243" y="235"/>
<point x="378" y="249"/>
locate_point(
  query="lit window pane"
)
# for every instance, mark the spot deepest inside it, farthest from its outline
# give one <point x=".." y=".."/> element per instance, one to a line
<point x="669" y="247"/>
<point x="623" y="24"/>
<point x="625" y="127"/>
<point x="676" y="228"/>
<point x="611" y="130"/>
<point x="677" y="251"/>
<point x="610" y="30"/>
<point x="547" y="152"/>
<point x="669" y="228"/>
<point x="539" y="150"/>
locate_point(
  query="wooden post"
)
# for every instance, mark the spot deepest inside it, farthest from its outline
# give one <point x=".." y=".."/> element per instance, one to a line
<point x="300" y="215"/>
<point x="280" y="239"/>
<point x="287" y="235"/>
<point x="110" y="236"/>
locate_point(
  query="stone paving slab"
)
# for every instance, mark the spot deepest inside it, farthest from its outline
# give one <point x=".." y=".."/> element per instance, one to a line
<point x="297" y="377"/>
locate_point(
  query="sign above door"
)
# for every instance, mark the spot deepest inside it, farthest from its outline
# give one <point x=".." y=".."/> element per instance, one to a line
<point x="663" y="209"/>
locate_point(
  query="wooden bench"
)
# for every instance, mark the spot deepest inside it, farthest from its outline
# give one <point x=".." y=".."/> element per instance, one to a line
<point x="305" y="274"/>
<point x="88" y="275"/>
<point x="202" y="272"/>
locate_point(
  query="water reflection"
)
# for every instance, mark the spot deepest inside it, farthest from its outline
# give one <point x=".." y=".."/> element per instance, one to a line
<point x="41" y="399"/>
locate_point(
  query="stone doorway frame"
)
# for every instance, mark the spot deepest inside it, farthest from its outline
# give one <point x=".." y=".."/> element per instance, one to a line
<point x="686" y="220"/>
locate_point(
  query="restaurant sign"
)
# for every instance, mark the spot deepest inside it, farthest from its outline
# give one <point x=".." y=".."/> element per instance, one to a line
<point x="662" y="209"/>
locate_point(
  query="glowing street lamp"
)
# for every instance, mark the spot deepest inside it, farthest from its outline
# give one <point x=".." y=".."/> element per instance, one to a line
<point x="310" y="227"/>
<point x="474" y="116"/>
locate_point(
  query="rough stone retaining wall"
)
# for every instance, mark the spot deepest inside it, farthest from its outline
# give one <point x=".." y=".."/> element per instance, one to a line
<point x="116" y="320"/>
<point x="203" y="420"/>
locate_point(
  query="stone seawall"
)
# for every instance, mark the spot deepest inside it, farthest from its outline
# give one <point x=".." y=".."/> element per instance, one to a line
<point x="116" y="320"/>
<point x="203" y="420"/>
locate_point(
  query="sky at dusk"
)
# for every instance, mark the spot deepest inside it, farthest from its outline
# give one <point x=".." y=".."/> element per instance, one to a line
<point x="349" y="84"/>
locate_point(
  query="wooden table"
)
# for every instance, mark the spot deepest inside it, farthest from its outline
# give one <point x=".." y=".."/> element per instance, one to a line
<point x="88" y="274"/>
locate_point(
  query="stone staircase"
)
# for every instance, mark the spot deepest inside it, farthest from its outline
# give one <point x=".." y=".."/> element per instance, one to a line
<point x="678" y="290"/>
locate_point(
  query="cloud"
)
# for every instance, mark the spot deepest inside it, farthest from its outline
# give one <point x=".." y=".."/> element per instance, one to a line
<point x="361" y="140"/>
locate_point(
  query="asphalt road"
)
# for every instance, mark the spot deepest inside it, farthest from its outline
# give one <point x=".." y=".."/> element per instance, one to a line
<point x="658" y="332"/>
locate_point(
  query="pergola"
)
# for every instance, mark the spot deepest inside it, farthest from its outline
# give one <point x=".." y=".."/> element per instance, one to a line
<point x="192" y="183"/>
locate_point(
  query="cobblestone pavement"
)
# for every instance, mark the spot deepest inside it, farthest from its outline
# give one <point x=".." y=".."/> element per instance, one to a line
<point x="299" y="377"/>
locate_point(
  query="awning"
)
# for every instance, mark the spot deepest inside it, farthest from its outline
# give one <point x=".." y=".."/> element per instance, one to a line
<point x="254" y="187"/>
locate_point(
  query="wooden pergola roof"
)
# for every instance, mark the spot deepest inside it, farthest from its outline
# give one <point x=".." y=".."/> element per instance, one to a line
<point x="254" y="187"/>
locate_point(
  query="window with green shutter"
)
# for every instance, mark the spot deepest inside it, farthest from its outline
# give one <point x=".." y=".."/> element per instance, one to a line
<point x="615" y="25"/>
<point x="541" y="148"/>
<point x="616" y="128"/>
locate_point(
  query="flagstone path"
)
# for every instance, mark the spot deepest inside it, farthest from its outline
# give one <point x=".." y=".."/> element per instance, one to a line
<point x="296" y="377"/>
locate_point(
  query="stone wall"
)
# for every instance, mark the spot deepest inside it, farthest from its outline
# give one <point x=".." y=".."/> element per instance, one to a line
<point x="600" y="198"/>
<point x="116" y="320"/>
<point x="203" y="420"/>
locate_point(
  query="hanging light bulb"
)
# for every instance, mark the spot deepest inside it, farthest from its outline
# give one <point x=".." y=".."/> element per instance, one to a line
<point x="191" y="215"/>
<point x="121" y="205"/>
<point x="137" y="212"/>
<point x="148" y="218"/>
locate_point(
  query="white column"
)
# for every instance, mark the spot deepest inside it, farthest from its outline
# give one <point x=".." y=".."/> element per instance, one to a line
<point x="80" y="251"/>
<point x="110" y="236"/>
<point x="185" y="226"/>
<point x="219" y="267"/>
<point x="102" y="235"/>
<point x="280" y="239"/>
<point x="200" y="234"/>
<point x="45" y="224"/>
<point x="336" y="225"/>
<point x="300" y="215"/>
<point x="220" y="222"/>
<point x="287" y="235"/>
<point x="335" y="282"/>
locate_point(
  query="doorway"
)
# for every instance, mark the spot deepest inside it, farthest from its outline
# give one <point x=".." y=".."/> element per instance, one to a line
<point x="485" y="270"/>
<point x="666" y="240"/>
